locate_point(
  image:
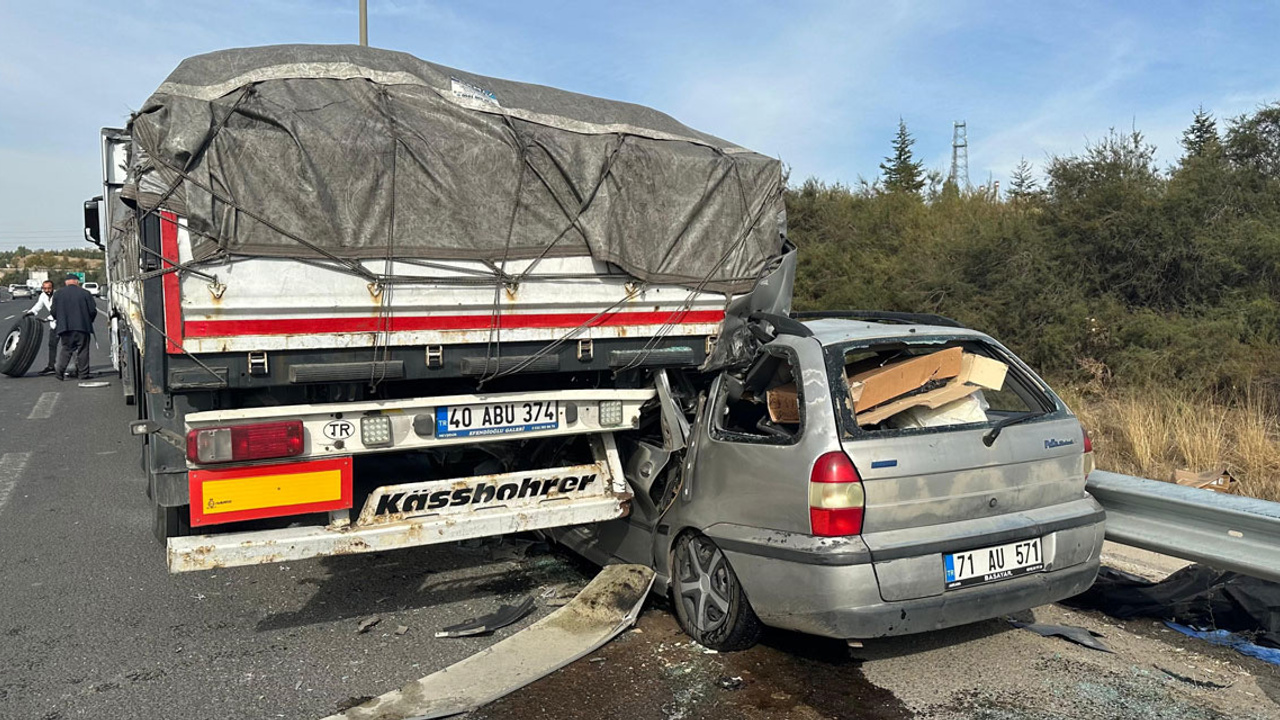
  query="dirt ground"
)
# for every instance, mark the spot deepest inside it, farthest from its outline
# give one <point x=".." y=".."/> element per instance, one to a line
<point x="986" y="671"/>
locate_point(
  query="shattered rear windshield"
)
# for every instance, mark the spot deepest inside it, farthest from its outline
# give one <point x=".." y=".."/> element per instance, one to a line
<point x="928" y="385"/>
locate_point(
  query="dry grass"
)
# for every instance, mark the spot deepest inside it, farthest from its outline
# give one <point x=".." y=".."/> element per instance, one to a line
<point x="1152" y="433"/>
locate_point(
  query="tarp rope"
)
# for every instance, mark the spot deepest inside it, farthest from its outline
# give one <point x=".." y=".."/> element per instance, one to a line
<point x="499" y="276"/>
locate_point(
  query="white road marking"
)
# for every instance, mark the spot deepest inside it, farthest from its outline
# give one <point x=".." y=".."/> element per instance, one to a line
<point x="11" y="317"/>
<point x="11" y="467"/>
<point x="44" y="406"/>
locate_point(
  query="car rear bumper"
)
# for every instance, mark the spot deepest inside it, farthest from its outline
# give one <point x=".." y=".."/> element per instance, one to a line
<point x="960" y="607"/>
<point x="835" y="589"/>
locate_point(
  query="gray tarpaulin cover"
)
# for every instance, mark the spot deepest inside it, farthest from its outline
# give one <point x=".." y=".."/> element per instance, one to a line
<point x="367" y="153"/>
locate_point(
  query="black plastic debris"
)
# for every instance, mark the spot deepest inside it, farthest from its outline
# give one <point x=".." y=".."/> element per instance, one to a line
<point x="500" y="618"/>
<point x="1196" y="595"/>
<point x="1077" y="635"/>
<point x="1202" y="684"/>
<point x="729" y="682"/>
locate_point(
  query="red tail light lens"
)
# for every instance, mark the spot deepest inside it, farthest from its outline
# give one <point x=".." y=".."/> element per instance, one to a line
<point x="1089" y="465"/>
<point x="836" y="496"/>
<point x="241" y="443"/>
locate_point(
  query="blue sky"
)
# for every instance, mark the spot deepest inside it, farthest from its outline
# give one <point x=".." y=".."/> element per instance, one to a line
<point x="819" y="84"/>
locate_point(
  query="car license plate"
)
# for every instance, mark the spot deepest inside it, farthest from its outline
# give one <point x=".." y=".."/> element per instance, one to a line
<point x="497" y="418"/>
<point x="990" y="564"/>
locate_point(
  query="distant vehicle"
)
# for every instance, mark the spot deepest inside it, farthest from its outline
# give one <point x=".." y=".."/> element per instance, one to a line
<point x="93" y="289"/>
<point x="21" y="291"/>
<point x="858" y="523"/>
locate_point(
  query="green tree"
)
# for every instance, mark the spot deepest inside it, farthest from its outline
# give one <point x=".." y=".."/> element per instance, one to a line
<point x="1022" y="183"/>
<point x="902" y="173"/>
<point x="1253" y="145"/>
<point x="1201" y="139"/>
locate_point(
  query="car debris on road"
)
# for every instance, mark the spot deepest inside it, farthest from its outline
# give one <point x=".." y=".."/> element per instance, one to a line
<point x="485" y="624"/>
<point x="1078" y="635"/>
<point x="607" y="606"/>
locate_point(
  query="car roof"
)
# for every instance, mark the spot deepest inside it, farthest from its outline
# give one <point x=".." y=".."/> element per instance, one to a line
<point x="835" y="331"/>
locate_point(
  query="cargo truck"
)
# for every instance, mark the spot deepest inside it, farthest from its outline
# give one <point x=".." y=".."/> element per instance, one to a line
<point x="363" y="301"/>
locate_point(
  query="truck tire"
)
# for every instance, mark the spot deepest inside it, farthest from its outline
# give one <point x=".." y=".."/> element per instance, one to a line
<point x="21" y="345"/>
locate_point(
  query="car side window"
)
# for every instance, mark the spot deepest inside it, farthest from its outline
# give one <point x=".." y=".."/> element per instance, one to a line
<point x="764" y="405"/>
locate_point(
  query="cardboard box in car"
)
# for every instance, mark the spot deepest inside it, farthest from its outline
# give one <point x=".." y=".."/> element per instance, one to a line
<point x="976" y="371"/>
<point x="783" y="404"/>
<point x="969" y="409"/>
<point x="875" y="387"/>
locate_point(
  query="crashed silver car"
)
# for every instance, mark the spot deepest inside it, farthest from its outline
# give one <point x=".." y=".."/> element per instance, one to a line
<point x="860" y="480"/>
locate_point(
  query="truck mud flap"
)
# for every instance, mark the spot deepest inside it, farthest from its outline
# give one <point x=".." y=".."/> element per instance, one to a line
<point x="430" y="512"/>
<point x="606" y="607"/>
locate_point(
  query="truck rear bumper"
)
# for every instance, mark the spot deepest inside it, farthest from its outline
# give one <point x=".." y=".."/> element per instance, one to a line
<point x="429" y="512"/>
<point x="206" y="552"/>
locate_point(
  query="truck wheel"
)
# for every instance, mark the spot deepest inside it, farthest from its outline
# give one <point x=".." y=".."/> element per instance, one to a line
<point x="710" y="604"/>
<point x="171" y="522"/>
<point x="21" y="345"/>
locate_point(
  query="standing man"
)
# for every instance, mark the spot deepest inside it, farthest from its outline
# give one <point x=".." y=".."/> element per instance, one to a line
<point x="44" y="301"/>
<point x="74" y="309"/>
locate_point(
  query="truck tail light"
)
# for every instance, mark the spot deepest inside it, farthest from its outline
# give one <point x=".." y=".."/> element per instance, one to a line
<point x="836" y="497"/>
<point x="239" y="443"/>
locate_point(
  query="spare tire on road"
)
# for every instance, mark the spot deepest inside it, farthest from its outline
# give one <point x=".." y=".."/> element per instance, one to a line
<point x="21" y="345"/>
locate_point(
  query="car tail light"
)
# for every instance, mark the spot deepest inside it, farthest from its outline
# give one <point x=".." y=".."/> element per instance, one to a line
<point x="240" y="443"/>
<point x="1088" y="452"/>
<point x="835" y="496"/>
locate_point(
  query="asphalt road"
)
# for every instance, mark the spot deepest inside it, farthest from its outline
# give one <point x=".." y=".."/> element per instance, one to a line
<point x="92" y="625"/>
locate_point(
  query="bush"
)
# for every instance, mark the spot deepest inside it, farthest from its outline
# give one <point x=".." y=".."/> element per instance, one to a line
<point x="1118" y="273"/>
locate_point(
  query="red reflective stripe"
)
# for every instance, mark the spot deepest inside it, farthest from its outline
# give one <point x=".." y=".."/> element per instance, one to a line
<point x="400" y="323"/>
<point x="172" y="290"/>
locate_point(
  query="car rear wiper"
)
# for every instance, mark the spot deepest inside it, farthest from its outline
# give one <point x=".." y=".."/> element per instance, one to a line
<point x="994" y="432"/>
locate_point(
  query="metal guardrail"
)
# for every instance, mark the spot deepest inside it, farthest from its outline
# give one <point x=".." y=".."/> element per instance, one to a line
<point x="1222" y="531"/>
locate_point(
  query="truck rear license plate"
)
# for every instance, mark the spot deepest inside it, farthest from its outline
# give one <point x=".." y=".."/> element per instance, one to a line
<point x="497" y="418"/>
<point x="1001" y="562"/>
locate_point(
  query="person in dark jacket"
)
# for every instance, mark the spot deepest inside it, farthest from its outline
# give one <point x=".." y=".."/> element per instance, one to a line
<point x="75" y="311"/>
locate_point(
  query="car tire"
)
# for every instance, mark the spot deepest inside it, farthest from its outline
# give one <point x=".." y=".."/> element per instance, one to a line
<point x="21" y="345"/>
<point x="710" y="604"/>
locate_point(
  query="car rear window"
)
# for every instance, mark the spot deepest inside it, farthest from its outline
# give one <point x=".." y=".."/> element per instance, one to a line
<point x="930" y="385"/>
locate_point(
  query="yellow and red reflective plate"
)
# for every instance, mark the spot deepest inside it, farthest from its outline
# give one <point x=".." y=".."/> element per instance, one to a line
<point x="263" y="491"/>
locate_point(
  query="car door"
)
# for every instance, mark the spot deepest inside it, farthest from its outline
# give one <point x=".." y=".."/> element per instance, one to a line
<point x="746" y="469"/>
